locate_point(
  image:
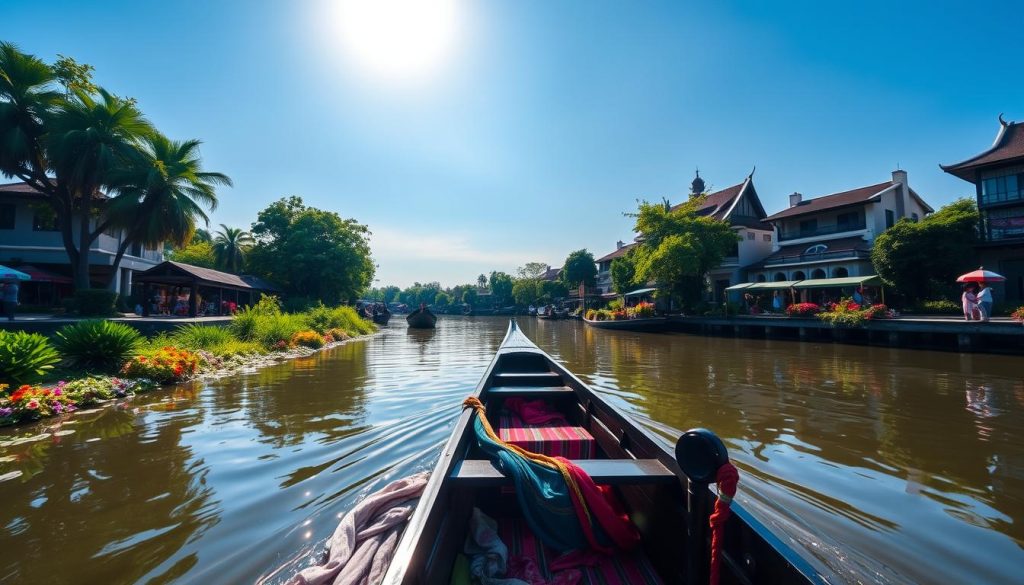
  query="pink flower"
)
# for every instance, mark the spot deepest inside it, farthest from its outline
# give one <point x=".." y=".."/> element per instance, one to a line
<point x="32" y="405"/>
<point x="57" y="391"/>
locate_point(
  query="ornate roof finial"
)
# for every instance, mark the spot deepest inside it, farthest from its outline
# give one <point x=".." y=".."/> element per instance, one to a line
<point x="1002" y="121"/>
<point x="697" y="186"/>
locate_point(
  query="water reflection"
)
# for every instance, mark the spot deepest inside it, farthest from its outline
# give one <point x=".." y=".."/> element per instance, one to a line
<point x="889" y="465"/>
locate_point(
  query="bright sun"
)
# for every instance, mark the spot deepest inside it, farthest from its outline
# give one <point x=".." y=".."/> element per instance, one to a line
<point x="397" y="39"/>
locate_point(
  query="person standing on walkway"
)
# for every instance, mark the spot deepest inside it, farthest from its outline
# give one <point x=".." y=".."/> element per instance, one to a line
<point x="985" y="301"/>
<point x="10" y="299"/>
<point x="970" y="303"/>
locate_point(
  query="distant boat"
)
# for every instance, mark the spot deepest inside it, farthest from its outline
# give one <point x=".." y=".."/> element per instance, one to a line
<point x="421" y="318"/>
<point x="379" y="314"/>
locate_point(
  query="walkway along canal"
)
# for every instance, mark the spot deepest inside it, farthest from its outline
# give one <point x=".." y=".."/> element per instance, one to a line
<point x="885" y="465"/>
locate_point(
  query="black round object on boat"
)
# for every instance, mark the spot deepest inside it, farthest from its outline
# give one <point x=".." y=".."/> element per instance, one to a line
<point x="700" y="453"/>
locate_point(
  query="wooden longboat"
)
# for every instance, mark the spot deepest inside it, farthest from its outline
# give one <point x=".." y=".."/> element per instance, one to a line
<point x="421" y="318"/>
<point x="380" y="318"/>
<point x="650" y="324"/>
<point x="670" y="510"/>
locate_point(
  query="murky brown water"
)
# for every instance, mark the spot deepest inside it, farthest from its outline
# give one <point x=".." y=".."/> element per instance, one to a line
<point x="887" y="465"/>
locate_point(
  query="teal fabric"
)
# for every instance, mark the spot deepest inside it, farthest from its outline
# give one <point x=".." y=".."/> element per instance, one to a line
<point x="542" y="493"/>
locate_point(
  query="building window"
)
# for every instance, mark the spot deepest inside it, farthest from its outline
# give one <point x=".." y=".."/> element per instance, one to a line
<point x="808" y="227"/>
<point x="1005" y="223"/>
<point x="751" y="235"/>
<point x="913" y="217"/>
<point x="840" y="272"/>
<point x="816" y="249"/>
<point x="1001" y="189"/>
<point x="44" y="220"/>
<point x="818" y="273"/>
<point x="848" y="221"/>
<point x="767" y="237"/>
<point x="780" y="276"/>
<point x="761" y="278"/>
<point x="890" y="218"/>
<point x="7" y="213"/>
<point x="799" y="275"/>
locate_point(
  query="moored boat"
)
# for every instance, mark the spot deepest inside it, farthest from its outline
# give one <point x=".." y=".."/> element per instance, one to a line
<point x="648" y="324"/>
<point x="378" y="313"/>
<point x="421" y="318"/>
<point x="665" y="493"/>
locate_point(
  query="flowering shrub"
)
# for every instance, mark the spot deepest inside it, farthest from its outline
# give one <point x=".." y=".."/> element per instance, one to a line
<point x="879" y="311"/>
<point x="850" y="314"/>
<point x="167" y="365"/>
<point x="29" y="403"/>
<point x="310" y="339"/>
<point x="337" y="334"/>
<point x="1018" y="315"/>
<point x="93" y="389"/>
<point x="803" y="310"/>
<point x="641" y="311"/>
<point x="590" y="315"/>
<point x="280" y="345"/>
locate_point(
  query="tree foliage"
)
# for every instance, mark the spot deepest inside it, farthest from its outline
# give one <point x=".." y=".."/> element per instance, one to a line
<point x="532" y="270"/>
<point x="230" y="245"/>
<point x="678" y="247"/>
<point x="579" y="268"/>
<point x="310" y="252"/>
<point x="623" y="272"/>
<point x="922" y="259"/>
<point x="501" y="288"/>
<point x="527" y="290"/>
<point x="197" y="254"/>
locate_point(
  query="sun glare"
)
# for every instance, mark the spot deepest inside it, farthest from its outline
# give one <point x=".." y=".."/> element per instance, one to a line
<point x="397" y="39"/>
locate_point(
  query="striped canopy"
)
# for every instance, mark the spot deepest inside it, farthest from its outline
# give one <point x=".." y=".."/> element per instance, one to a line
<point x="981" y="275"/>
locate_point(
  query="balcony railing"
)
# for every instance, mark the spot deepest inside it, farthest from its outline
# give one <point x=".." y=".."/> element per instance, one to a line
<point x="837" y="255"/>
<point x="823" y="230"/>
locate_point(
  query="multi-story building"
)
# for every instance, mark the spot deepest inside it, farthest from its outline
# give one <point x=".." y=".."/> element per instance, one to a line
<point x="29" y="236"/>
<point x="998" y="177"/>
<point x="831" y="236"/>
<point x="740" y="206"/>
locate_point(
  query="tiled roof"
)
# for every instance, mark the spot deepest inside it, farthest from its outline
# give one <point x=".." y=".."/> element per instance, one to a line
<point x="1008" y="146"/>
<point x="206" y="274"/>
<point x="838" y="245"/>
<point x="717" y="204"/>
<point x="854" y="196"/>
<point x="551" y="274"/>
<point x="24" y="188"/>
<point x="617" y="253"/>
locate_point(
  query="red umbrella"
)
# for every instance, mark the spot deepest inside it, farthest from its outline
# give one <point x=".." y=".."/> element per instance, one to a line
<point x="980" y="275"/>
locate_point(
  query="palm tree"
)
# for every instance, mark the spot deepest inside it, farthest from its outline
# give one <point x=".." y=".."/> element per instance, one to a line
<point x="161" y="195"/>
<point x="89" y="138"/>
<point x="26" y="94"/>
<point x="230" y="246"/>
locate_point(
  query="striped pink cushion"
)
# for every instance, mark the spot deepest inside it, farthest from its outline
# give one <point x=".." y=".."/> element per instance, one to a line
<point x="632" y="568"/>
<point x="565" y="441"/>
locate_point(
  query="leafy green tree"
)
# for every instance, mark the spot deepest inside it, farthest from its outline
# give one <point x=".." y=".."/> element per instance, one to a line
<point x="623" y="272"/>
<point x="230" y="245"/>
<point x="197" y="254"/>
<point x="201" y="235"/>
<point x="579" y="268"/>
<point x="532" y="270"/>
<point x="442" y="299"/>
<point x="526" y="290"/>
<point x="553" y="289"/>
<point x="469" y="296"/>
<point x="922" y="259"/>
<point x="501" y="288"/>
<point x="390" y="293"/>
<point x="161" y="194"/>
<point x="311" y="252"/>
<point x="678" y="247"/>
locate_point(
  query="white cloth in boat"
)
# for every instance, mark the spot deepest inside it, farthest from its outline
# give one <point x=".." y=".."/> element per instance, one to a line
<point x="361" y="548"/>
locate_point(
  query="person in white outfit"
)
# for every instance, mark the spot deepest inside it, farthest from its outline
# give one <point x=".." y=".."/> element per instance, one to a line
<point x="985" y="301"/>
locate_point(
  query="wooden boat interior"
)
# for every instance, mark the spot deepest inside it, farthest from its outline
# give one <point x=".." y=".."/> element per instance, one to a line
<point x="669" y="510"/>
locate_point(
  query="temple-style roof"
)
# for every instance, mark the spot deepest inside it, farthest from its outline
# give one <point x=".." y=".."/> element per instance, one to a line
<point x="1008" y="147"/>
<point x="721" y="204"/>
<point x="617" y="253"/>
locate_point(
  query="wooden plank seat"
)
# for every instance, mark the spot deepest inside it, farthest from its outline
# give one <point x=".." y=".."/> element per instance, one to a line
<point x="528" y="379"/>
<point x="554" y="438"/>
<point x="530" y="391"/>
<point x="481" y="472"/>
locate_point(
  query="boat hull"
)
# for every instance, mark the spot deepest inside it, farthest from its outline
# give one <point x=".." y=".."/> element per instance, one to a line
<point x="654" y="324"/>
<point x="381" y="318"/>
<point x="421" y="319"/>
<point x="671" y="511"/>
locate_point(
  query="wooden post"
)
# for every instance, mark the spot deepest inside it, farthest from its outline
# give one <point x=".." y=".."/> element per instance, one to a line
<point x="192" y="299"/>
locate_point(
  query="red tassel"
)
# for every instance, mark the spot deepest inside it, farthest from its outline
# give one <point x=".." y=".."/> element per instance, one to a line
<point x="727" y="478"/>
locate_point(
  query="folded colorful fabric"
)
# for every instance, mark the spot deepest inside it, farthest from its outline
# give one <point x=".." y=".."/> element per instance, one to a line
<point x="562" y="440"/>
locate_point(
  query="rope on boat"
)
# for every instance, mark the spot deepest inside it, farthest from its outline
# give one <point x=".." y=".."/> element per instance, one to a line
<point x="727" y="478"/>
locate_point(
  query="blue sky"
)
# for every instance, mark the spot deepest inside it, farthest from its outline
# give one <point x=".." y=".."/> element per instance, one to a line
<point x="541" y="122"/>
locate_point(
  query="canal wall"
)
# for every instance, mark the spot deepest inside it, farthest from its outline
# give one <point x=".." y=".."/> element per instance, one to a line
<point x="146" y="326"/>
<point x="909" y="332"/>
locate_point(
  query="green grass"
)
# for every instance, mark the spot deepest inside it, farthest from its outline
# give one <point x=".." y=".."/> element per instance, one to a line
<point x="201" y="336"/>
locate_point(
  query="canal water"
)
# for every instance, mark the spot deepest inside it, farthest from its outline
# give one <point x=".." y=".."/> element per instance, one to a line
<point x="885" y="465"/>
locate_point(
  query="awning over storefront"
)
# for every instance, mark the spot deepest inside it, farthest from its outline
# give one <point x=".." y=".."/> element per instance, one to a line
<point x="640" y="291"/>
<point x="740" y="286"/>
<point x="872" y="280"/>
<point x="177" y="274"/>
<point x="780" y="285"/>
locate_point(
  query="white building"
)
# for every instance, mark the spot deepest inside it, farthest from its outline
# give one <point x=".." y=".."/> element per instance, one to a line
<point x="29" y="236"/>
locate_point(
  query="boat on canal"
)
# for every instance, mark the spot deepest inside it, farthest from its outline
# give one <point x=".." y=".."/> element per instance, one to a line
<point x="647" y="324"/>
<point x="421" y="318"/>
<point x="665" y="492"/>
<point x="378" y="313"/>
